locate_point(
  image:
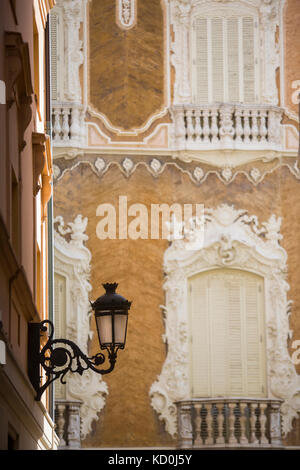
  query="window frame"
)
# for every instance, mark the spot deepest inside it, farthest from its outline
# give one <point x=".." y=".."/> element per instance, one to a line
<point x="225" y="12"/>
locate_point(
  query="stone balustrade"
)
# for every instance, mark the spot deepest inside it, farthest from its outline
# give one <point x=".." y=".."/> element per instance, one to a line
<point x="67" y="420"/>
<point x="233" y="126"/>
<point x="68" y="127"/>
<point x="229" y="422"/>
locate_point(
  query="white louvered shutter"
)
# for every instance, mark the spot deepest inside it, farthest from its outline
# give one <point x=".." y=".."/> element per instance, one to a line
<point x="249" y="60"/>
<point x="217" y="59"/>
<point x="201" y="61"/>
<point x="54" y="54"/>
<point x="225" y="59"/>
<point x="226" y="325"/>
<point x="200" y="367"/>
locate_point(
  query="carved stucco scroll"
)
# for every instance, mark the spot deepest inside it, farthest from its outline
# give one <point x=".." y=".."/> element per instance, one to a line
<point x="126" y="13"/>
<point x="72" y="260"/>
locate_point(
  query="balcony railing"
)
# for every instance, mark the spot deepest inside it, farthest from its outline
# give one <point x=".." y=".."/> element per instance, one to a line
<point x="68" y="124"/>
<point x="232" y="126"/>
<point x="229" y="422"/>
<point x="67" y="420"/>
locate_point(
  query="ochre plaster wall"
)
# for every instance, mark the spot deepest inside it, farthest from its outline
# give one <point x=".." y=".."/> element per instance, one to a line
<point x="126" y="72"/>
<point x="291" y="50"/>
<point x="128" y="419"/>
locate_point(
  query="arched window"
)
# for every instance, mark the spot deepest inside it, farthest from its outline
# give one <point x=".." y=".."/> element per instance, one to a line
<point x="226" y="327"/>
<point x="225" y="56"/>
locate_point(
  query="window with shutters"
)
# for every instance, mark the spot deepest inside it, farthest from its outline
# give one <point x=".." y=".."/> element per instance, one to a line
<point x="226" y="309"/>
<point x="57" y="53"/>
<point x="225" y="58"/>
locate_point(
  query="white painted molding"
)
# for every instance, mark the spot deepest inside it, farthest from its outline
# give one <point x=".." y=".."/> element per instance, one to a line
<point x="126" y="13"/>
<point x="235" y="240"/>
<point x="72" y="260"/>
<point x="198" y="175"/>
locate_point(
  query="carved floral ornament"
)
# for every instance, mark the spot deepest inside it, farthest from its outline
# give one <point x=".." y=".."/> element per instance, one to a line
<point x="197" y="174"/>
<point x="233" y="239"/>
<point x="72" y="261"/>
<point x="126" y="13"/>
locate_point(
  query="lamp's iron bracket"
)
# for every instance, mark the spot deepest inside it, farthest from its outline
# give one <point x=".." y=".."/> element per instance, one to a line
<point x="58" y="357"/>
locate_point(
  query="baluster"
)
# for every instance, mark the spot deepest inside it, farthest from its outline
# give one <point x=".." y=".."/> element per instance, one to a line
<point x="247" y="130"/>
<point x="238" y="125"/>
<point x="254" y="115"/>
<point x="263" y="131"/>
<point x="190" y="126"/>
<point x="214" y="126"/>
<point x="65" y="124"/>
<point x="198" y="422"/>
<point x="263" y="424"/>
<point x="274" y="126"/>
<point x="243" y="420"/>
<point x="209" y="421"/>
<point x="185" y="427"/>
<point x="74" y="425"/>
<point x="198" y="128"/>
<point x="220" y="420"/>
<point x="60" y="423"/>
<point x="206" y="130"/>
<point x="75" y="129"/>
<point x="82" y="125"/>
<point x="57" y="125"/>
<point x="179" y="127"/>
<point x="252" y="420"/>
<point x="232" y="440"/>
<point x="226" y="124"/>
<point x="275" y="424"/>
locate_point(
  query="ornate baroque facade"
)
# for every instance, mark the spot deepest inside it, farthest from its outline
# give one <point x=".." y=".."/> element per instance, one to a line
<point x="187" y="102"/>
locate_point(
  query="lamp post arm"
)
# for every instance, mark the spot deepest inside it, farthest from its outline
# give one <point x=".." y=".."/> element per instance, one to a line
<point x="60" y="356"/>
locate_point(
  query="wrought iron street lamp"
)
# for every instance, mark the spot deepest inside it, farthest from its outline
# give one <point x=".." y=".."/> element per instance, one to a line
<point x="59" y="356"/>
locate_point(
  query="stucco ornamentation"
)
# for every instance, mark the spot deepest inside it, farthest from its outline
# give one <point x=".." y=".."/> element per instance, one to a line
<point x="126" y="13"/>
<point x="72" y="261"/>
<point x="233" y="239"/>
<point x="197" y="175"/>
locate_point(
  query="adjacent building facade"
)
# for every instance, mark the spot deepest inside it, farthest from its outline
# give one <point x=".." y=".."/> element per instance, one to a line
<point x="159" y="108"/>
<point x="25" y="213"/>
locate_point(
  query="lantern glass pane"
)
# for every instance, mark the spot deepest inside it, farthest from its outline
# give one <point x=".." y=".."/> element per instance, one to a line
<point x="104" y="326"/>
<point x="120" y="328"/>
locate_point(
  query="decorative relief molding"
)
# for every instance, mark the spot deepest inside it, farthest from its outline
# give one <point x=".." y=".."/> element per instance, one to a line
<point x="73" y="59"/>
<point x="197" y="175"/>
<point x="72" y="260"/>
<point x="235" y="240"/>
<point x="126" y="13"/>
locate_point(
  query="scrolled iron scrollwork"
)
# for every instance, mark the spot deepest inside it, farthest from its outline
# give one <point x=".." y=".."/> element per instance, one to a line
<point x="60" y="356"/>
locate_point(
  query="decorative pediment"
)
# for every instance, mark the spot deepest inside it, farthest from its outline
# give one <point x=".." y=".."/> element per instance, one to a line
<point x="229" y="238"/>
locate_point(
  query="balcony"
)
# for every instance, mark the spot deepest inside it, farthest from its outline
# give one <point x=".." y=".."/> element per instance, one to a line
<point x="68" y="127"/>
<point x="226" y="126"/>
<point x="67" y="419"/>
<point x="229" y="423"/>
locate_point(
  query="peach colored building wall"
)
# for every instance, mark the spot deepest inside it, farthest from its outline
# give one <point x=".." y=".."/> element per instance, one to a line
<point x="23" y="218"/>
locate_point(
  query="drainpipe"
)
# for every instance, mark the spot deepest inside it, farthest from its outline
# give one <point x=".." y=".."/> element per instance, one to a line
<point x="50" y="202"/>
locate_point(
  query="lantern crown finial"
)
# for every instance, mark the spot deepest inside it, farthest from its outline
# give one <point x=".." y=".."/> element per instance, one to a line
<point x="110" y="287"/>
